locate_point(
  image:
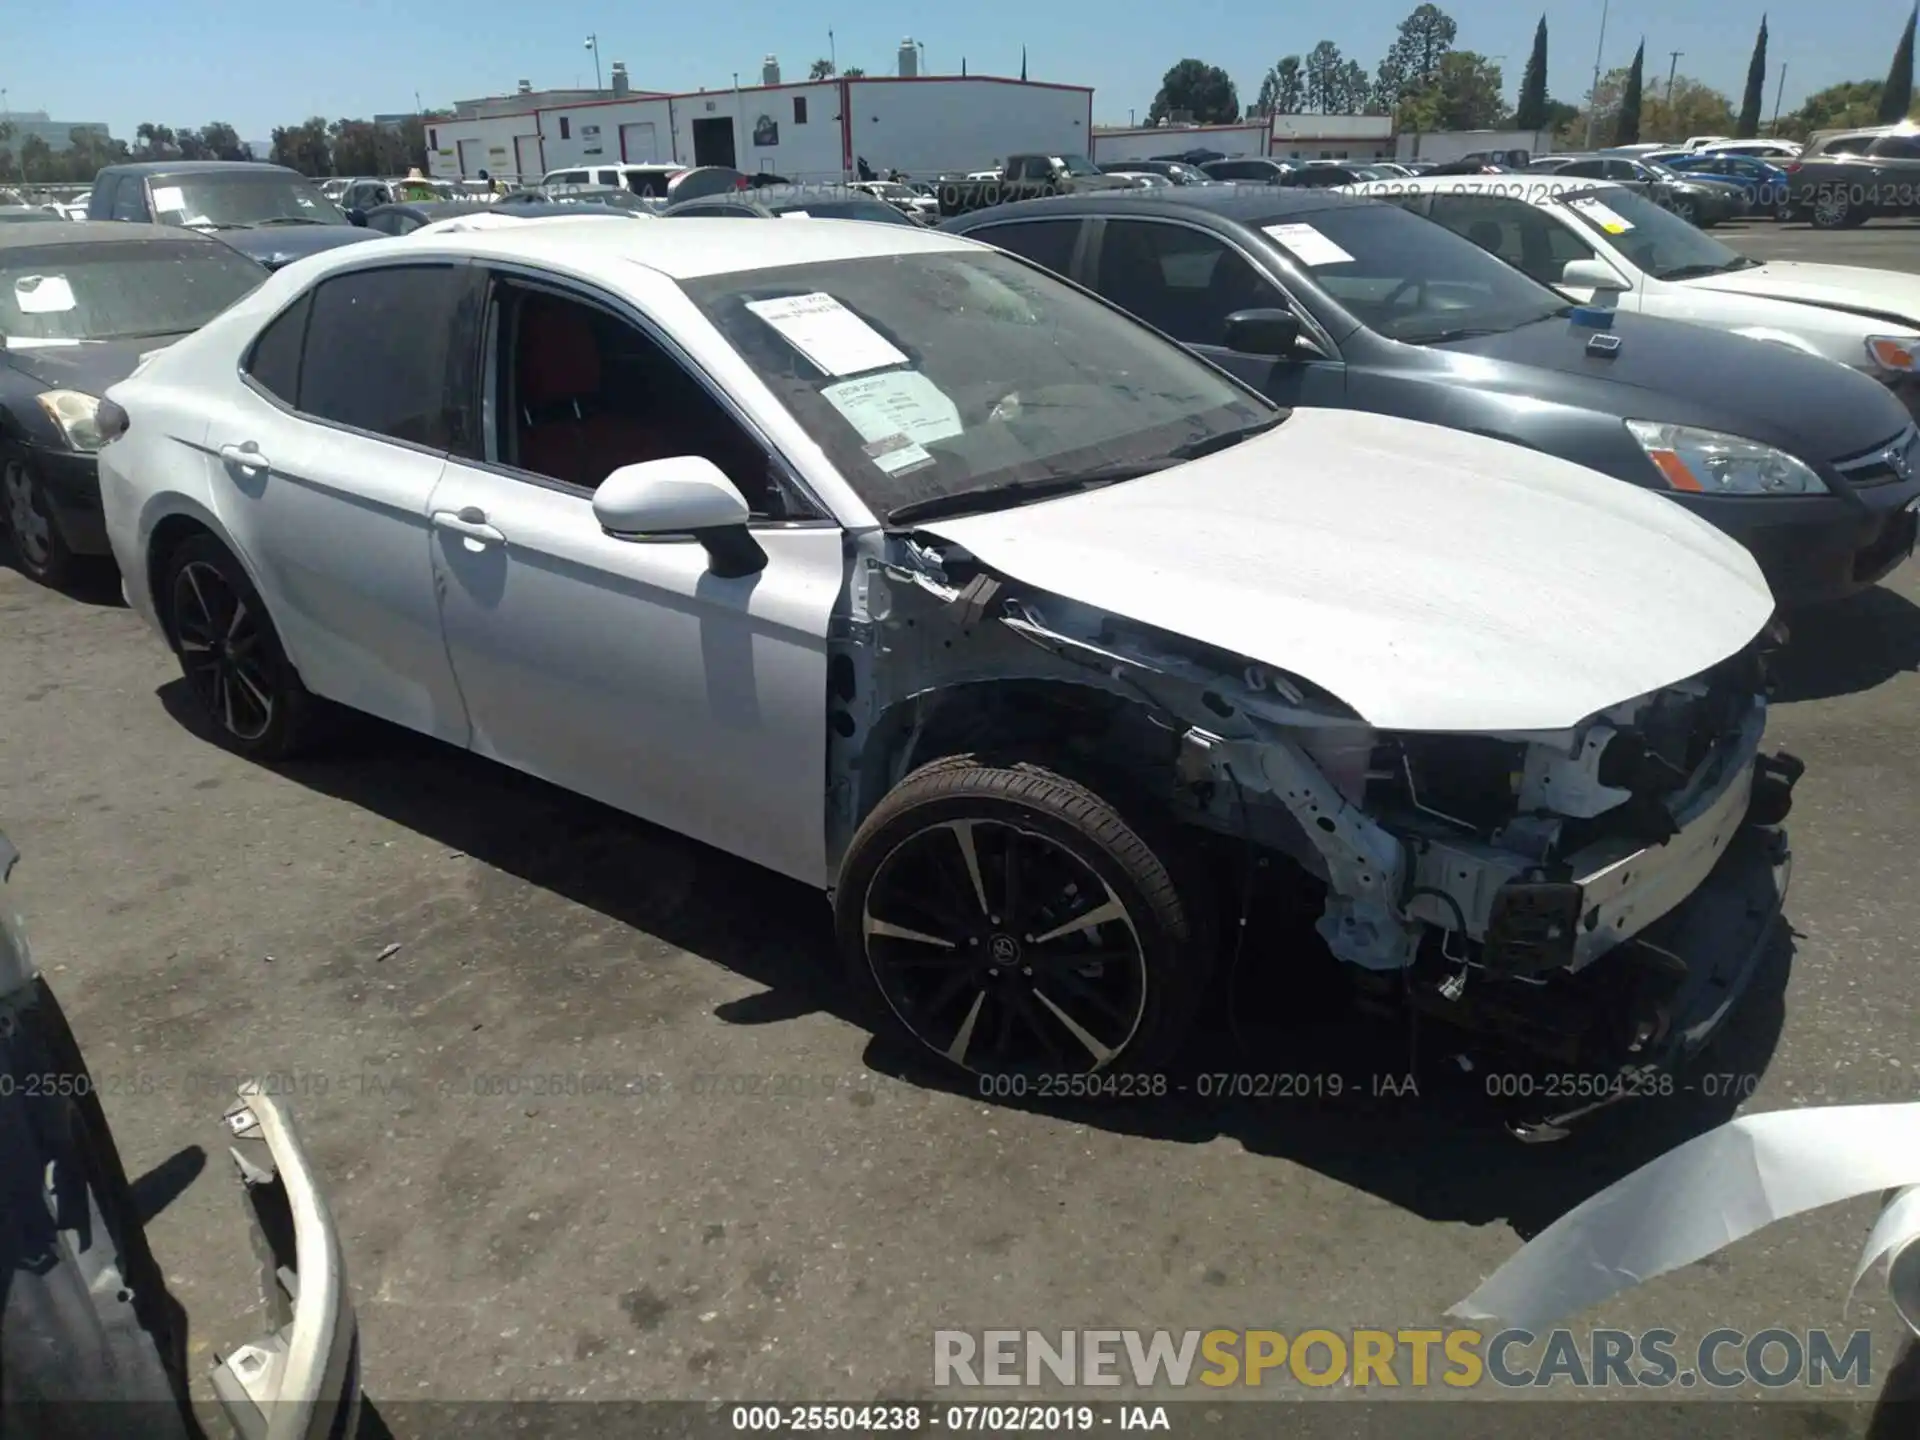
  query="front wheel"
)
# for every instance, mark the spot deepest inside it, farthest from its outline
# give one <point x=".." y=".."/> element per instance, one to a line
<point x="38" y="545"/>
<point x="230" y="654"/>
<point x="1012" y="922"/>
<point x="1832" y="210"/>
<point x="1686" y="210"/>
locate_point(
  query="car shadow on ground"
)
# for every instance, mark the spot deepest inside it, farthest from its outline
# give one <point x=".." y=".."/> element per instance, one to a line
<point x="1435" y="1147"/>
<point x="95" y="581"/>
<point x="1850" y="646"/>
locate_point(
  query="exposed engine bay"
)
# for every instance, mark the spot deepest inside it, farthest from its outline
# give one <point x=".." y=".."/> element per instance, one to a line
<point x="1482" y="866"/>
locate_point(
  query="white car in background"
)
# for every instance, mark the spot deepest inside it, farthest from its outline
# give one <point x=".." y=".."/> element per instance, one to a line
<point x="896" y="565"/>
<point x="1598" y="242"/>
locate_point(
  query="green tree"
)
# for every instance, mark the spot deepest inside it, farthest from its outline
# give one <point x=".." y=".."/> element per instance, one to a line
<point x="1325" y="69"/>
<point x="853" y="72"/>
<point x="1845" y="106"/>
<point x="821" y="69"/>
<point x="1355" y="89"/>
<point x="1688" y="107"/>
<point x="303" y="147"/>
<point x="156" y="142"/>
<point x="1626" y="125"/>
<point x="1201" y="90"/>
<point x="1896" y="98"/>
<point x="222" y="142"/>
<point x="1464" y="93"/>
<point x="36" y="159"/>
<point x="1290" y="90"/>
<point x="1755" y="95"/>
<point x="1413" y="60"/>
<point x="6" y="151"/>
<point x="1531" y="112"/>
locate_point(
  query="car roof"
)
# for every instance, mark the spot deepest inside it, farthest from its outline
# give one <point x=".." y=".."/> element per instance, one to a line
<point x="589" y="246"/>
<point x="92" y="232"/>
<point x="1246" y="204"/>
<point x="1537" y="189"/>
<point x="196" y="167"/>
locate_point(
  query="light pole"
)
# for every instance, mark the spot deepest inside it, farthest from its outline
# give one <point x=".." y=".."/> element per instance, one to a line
<point x="1673" y="64"/>
<point x="593" y="44"/>
<point x="1593" y="96"/>
<point x="1781" y="89"/>
<point x="833" y="55"/>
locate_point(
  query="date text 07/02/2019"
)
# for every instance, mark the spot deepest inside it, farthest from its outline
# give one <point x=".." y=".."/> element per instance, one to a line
<point x="908" y="1419"/>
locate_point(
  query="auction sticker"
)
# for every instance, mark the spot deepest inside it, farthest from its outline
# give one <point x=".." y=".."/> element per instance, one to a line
<point x="827" y="333"/>
<point x="1308" y="245"/>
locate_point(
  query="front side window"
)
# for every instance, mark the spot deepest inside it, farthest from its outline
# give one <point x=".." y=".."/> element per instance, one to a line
<point x="214" y="198"/>
<point x="130" y="203"/>
<point x="1048" y="243"/>
<point x="1652" y="237"/>
<point x="1407" y="278"/>
<point x="1183" y="281"/>
<point x="119" y="290"/>
<point x="1078" y="165"/>
<point x="379" y="351"/>
<point x="1520" y="233"/>
<point x="949" y="376"/>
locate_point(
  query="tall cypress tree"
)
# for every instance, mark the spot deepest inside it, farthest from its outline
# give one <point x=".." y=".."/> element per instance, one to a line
<point x="1626" y="130"/>
<point x="1896" y="97"/>
<point x="1531" y="112"/>
<point x="1756" y="94"/>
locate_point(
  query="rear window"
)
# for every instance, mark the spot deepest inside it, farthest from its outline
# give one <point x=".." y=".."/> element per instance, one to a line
<point x="843" y="210"/>
<point x="119" y="290"/>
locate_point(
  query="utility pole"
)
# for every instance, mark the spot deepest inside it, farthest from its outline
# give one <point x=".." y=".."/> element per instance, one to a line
<point x="1781" y="89"/>
<point x="1593" y="96"/>
<point x="833" y="54"/>
<point x="1672" y="65"/>
<point x="593" y="44"/>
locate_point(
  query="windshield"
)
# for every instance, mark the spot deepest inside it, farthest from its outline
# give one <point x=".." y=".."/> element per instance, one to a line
<point x="1078" y="165"/>
<point x="1407" y="278"/>
<point x="1653" y="238"/>
<point x="119" y="289"/>
<point x="970" y="371"/>
<point x="242" y="197"/>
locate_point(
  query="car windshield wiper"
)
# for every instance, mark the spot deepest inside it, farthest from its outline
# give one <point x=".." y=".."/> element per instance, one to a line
<point x="1459" y="332"/>
<point x="966" y="502"/>
<point x="1694" y="272"/>
<point x="292" y="220"/>
<point x="219" y="225"/>
<point x="1226" y="440"/>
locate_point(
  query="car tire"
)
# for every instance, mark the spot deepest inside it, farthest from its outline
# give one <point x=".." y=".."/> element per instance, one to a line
<point x="1094" y="963"/>
<point x="242" y="683"/>
<point x="39" y="549"/>
<point x="1832" y="211"/>
<point x="1685" y="209"/>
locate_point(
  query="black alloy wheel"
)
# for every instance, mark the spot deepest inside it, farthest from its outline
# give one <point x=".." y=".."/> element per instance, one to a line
<point x="230" y="653"/>
<point x="1012" y="923"/>
<point x="38" y="545"/>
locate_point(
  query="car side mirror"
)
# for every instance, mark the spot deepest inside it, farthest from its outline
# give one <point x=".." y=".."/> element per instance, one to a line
<point x="684" y="495"/>
<point x="357" y="216"/>
<point x="1594" y="275"/>
<point x="1263" y="332"/>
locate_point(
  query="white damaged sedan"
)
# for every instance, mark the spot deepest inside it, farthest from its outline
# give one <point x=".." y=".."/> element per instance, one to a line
<point x="895" y="565"/>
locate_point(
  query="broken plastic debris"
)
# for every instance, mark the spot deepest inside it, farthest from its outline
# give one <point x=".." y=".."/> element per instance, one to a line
<point x="1718" y="1188"/>
<point x="388" y="953"/>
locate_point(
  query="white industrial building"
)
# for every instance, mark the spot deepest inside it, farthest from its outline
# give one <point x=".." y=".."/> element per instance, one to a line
<point x="924" y="125"/>
<point x="1284" y="137"/>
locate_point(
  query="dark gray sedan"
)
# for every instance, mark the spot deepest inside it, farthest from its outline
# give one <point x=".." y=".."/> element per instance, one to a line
<point x="1320" y="299"/>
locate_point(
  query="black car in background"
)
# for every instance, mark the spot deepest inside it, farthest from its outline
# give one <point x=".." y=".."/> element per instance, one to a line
<point x="1699" y="202"/>
<point x="269" y="212"/>
<point x="1328" y="300"/>
<point x="1249" y="170"/>
<point x="1176" y="172"/>
<point x="821" y="202"/>
<point x="80" y="302"/>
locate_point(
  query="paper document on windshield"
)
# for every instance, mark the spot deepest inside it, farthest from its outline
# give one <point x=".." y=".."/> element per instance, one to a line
<point x="1718" y="1188"/>
<point x="827" y="333"/>
<point x="1607" y="219"/>
<point x="795" y="215"/>
<point x="168" y="198"/>
<point x="43" y="295"/>
<point x="1308" y="245"/>
<point x="896" y="414"/>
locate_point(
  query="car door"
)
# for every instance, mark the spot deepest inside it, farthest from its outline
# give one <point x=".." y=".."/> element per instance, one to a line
<point x="1185" y="281"/>
<point x="626" y="669"/>
<point x="324" y="453"/>
<point x="1052" y="244"/>
<point x="1528" y="237"/>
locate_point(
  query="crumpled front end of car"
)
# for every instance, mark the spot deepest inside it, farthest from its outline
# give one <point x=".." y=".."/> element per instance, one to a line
<point x="1596" y="896"/>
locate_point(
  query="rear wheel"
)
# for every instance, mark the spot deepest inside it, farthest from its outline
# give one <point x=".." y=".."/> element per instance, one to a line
<point x="1686" y="209"/>
<point x="38" y="545"/>
<point x="1011" y="921"/>
<point x="230" y="654"/>
<point x="1832" y="210"/>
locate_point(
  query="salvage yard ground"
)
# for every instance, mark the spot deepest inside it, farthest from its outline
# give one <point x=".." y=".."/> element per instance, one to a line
<point x="765" y="1203"/>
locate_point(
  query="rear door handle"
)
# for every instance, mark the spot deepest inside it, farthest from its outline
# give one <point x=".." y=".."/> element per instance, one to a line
<point x="245" y="456"/>
<point x="470" y="522"/>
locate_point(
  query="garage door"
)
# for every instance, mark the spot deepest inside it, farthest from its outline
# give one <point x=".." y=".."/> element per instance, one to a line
<point x="473" y="156"/>
<point x="526" y="155"/>
<point x="637" y="143"/>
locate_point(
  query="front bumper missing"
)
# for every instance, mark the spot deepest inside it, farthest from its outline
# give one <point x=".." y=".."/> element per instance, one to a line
<point x="300" y="1381"/>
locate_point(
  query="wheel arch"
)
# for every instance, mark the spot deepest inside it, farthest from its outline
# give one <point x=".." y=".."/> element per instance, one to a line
<point x="167" y="529"/>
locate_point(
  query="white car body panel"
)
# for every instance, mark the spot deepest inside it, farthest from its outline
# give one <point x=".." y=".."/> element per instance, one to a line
<point x="1433" y="579"/>
<point x="625" y="671"/>
<point x="1777" y="301"/>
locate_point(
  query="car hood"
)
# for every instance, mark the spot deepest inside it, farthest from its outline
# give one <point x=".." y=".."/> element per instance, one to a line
<point x="1890" y="295"/>
<point x="278" y="245"/>
<point x="90" y="366"/>
<point x="1432" y="579"/>
<point x="1690" y="374"/>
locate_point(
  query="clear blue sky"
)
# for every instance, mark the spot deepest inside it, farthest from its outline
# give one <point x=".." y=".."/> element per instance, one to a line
<point x="257" y="66"/>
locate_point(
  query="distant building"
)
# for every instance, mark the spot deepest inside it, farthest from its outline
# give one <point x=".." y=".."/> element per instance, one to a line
<point x="58" y="134"/>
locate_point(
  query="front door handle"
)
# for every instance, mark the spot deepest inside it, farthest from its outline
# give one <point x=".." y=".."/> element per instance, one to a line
<point x="245" y="456"/>
<point x="470" y="522"/>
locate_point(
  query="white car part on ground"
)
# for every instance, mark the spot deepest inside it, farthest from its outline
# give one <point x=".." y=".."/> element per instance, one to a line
<point x="1717" y="1188"/>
